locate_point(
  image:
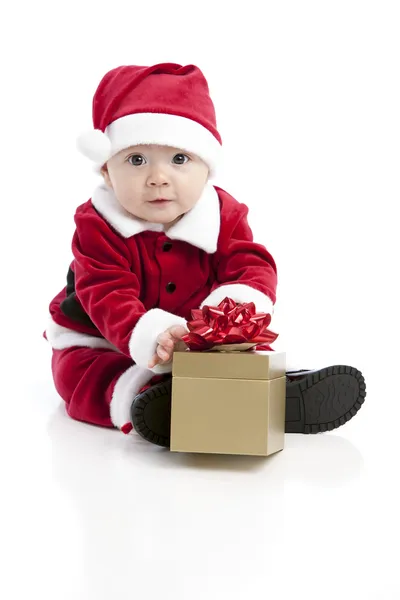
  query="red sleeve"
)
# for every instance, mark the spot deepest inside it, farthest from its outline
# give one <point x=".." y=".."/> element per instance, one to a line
<point x="105" y="284"/>
<point x="245" y="270"/>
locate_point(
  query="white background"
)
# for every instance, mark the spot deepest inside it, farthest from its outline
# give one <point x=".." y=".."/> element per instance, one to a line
<point x="307" y="96"/>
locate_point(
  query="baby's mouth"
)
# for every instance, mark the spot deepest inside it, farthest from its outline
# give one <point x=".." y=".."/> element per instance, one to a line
<point x="160" y="201"/>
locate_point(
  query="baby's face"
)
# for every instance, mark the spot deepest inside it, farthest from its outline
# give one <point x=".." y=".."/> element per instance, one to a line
<point x="140" y="175"/>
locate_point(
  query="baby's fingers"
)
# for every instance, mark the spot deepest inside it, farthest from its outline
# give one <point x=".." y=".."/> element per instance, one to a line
<point x="177" y="332"/>
<point x="153" y="362"/>
<point x="163" y="353"/>
<point x="164" y="339"/>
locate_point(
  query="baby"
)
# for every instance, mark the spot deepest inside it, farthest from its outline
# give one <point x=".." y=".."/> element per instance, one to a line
<point x="155" y="241"/>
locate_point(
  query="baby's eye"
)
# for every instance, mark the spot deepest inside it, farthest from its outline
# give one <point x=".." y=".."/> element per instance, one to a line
<point x="132" y="160"/>
<point x="180" y="156"/>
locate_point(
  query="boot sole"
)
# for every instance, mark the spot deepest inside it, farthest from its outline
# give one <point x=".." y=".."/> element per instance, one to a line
<point x="324" y="400"/>
<point x="319" y="402"/>
<point x="151" y="414"/>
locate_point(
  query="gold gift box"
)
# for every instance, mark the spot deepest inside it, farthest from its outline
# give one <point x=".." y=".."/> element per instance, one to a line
<point x="228" y="402"/>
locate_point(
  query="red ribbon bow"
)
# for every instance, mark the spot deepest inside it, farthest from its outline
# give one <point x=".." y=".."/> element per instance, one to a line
<point x="228" y="323"/>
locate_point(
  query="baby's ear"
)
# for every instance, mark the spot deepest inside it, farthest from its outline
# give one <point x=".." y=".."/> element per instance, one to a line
<point x="106" y="175"/>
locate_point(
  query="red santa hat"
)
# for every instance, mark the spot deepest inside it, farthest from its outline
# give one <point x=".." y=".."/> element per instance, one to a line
<point x="166" y="104"/>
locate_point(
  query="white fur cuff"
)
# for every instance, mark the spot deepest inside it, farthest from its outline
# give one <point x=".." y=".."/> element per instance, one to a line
<point x="240" y="293"/>
<point x="143" y="342"/>
<point x="125" y="390"/>
<point x="61" y="337"/>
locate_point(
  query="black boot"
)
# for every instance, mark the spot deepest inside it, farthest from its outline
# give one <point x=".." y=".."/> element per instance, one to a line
<point x="316" y="401"/>
<point x="323" y="399"/>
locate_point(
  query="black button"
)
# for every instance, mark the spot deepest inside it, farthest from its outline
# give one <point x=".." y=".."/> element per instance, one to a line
<point x="167" y="246"/>
<point x="171" y="287"/>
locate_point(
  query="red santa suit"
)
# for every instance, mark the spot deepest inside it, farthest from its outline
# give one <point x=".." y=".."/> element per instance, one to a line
<point x="130" y="280"/>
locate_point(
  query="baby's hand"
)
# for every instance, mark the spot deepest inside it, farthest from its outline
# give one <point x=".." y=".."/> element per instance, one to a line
<point x="167" y="342"/>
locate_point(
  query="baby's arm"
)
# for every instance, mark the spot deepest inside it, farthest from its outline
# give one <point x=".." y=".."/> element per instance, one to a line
<point x="245" y="270"/>
<point x="109" y="291"/>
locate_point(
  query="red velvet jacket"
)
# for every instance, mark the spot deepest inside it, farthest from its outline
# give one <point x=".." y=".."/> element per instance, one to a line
<point x="130" y="280"/>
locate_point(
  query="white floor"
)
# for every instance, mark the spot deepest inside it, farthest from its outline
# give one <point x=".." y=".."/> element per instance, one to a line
<point x="93" y="514"/>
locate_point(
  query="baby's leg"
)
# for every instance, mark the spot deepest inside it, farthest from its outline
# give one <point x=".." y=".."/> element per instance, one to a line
<point x="98" y="385"/>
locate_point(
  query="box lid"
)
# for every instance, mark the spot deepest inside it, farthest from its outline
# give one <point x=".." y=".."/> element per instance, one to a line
<point x="229" y="365"/>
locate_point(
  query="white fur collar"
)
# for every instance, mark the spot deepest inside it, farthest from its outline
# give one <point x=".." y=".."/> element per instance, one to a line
<point x="199" y="227"/>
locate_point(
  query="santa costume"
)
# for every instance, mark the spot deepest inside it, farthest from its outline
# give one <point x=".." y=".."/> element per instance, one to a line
<point x="130" y="280"/>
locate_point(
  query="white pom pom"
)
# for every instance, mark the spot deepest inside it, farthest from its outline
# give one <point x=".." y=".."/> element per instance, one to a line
<point x="95" y="145"/>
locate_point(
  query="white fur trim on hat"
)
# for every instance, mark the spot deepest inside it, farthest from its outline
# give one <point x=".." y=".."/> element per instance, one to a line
<point x="152" y="128"/>
<point x="240" y="293"/>
<point x="95" y="145"/>
<point x="143" y="342"/>
<point x="127" y="387"/>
